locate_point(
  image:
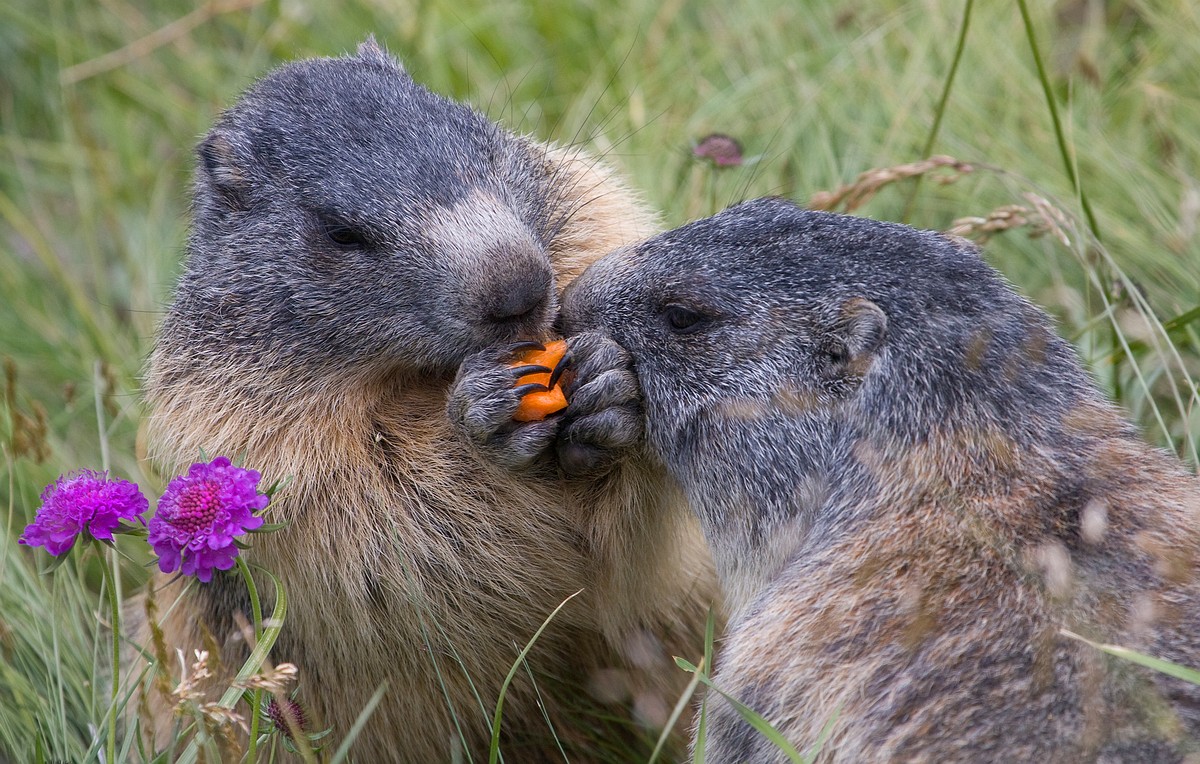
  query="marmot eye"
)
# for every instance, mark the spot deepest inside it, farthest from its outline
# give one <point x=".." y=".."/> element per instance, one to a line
<point x="340" y="232"/>
<point x="682" y="320"/>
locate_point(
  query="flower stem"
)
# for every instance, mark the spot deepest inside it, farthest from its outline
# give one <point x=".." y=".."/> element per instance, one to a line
<point x="252" y="590"/>
<point x="115" y="681"/>
<point x="255" y="703"/>
<point x="255" y="695"/>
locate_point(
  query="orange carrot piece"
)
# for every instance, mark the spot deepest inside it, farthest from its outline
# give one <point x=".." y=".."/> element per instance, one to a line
<point x="536" y="406"/>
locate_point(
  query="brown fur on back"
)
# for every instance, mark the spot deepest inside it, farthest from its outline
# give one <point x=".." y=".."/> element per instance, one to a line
<point x="945" y="612"/>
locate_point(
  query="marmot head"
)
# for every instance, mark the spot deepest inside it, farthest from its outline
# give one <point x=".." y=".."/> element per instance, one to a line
<point x="769" y="318"/>
<point x="345" y="216"/>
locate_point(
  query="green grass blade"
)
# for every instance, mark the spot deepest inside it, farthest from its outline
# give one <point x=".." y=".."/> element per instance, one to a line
<point x="701" y="733"/>
<point x="494" y="747"/>
<point x="1059" y="134"/>
<point x="344" y="749"/>
<point x="673" y="719"/>
<point x="823" y="738"/>
<point x="710" y="636"/>
<point x="752" y="717"/>
<point x="1158" y="664"/>
<point x="1171" y="326"/>
<point x="940" y="111"/>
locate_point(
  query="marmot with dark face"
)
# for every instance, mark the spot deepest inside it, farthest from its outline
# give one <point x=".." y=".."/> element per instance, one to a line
<point x="911" y="489"/>
<point x="355" y="239"/>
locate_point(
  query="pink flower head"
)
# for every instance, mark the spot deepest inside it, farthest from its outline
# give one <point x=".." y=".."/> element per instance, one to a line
<point x="82" y="502"/>
<point x="286" y="716"/>
<point x="200" y="513"/>
<point x="721" y="150"/>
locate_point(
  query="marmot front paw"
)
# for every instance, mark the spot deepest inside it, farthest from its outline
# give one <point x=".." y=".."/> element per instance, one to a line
<point x="483" y="399"/>
<point x="603" y="419"/>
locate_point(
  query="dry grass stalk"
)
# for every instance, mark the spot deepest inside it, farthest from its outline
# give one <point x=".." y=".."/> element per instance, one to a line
<point x="273" y="680"/>
<point x="980" y="229"/>
<point x="866" y="185"/>
<point x="1039" y="216"/>
<point x="1054" y="219"/>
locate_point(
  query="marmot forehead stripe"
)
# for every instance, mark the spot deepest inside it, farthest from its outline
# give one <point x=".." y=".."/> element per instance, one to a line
<point x="478" y="222"/>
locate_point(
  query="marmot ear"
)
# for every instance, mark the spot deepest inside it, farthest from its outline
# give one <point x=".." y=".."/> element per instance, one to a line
<point x="369" y="50"/>
<point x="859" y="332"/>
<point x="221" y="170"/>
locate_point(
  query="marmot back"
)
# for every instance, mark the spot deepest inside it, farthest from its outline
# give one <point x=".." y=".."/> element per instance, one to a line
<point x="355" y="238"/>
<point x="911" y="490"/>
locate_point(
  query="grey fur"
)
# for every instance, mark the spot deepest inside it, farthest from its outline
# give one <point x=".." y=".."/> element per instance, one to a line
<point x="909" y="485"/>
<point x="604" y="418"/>
<point x="288" y="160"/>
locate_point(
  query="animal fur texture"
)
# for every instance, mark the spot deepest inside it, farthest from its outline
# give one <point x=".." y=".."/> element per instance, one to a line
<point x="355" y="239"/>
<point x="911" y="488"/>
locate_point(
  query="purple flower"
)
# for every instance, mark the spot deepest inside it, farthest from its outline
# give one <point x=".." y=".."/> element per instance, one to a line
<point x="200" y="513"/>
<point x="287" y="716"/>
<point x="82" y="502"/>
<point x="721" y="150"/>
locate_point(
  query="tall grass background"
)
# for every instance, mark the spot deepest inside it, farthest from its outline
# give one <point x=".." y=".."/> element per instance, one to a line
<point x="101" y="103"/>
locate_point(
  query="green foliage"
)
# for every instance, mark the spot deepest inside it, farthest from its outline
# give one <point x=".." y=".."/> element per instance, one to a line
<point x="1124" y="653"/>
<point x="752" y="717"/>
<point x="49" y="687"/>
<point x="498" y="715"/>
<point x="700" y="674"/>
<point x="101" y="103"/>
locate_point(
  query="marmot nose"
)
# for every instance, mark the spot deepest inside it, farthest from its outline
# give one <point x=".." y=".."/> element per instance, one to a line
<point x="518" y="298"/>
